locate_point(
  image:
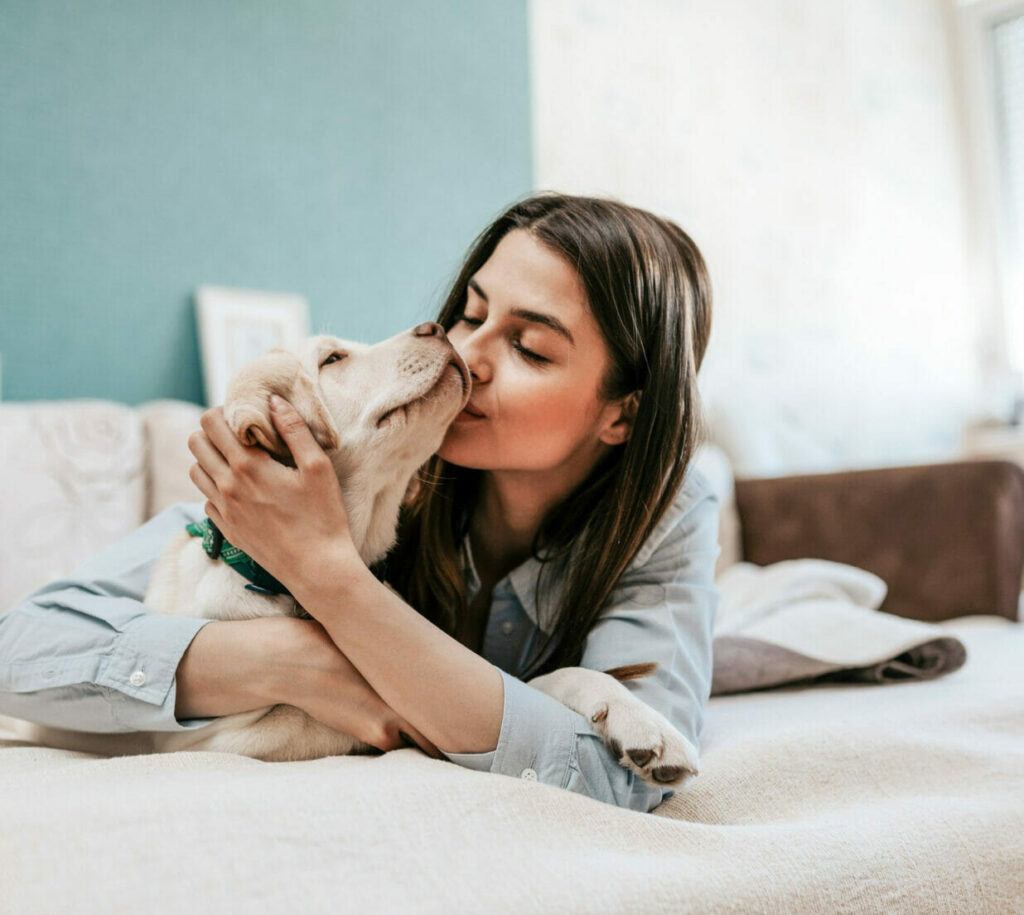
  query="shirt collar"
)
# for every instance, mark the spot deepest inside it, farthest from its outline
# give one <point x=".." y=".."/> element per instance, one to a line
<point x="523" y="581"/>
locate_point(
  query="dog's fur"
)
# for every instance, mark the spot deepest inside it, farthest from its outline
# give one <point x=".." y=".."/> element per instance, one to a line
<point x="379" y="412"/>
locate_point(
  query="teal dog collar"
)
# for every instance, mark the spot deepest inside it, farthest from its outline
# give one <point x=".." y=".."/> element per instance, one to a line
<point x="216" y="547"/>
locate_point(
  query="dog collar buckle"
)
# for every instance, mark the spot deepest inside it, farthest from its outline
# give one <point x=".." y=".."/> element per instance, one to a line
<point x="213" y="539"/>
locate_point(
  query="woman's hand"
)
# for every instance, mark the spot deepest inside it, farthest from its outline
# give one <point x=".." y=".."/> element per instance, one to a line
<point x="322" y="682"/>
<point x="291" y="520"/>
<point x="234" y="666"/>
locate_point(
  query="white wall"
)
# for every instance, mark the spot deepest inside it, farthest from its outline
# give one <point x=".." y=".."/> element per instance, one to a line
<point x="812" y="148"/>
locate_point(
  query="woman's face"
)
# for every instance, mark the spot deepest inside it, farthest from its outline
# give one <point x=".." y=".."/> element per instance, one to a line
<point x="537" y="358"/>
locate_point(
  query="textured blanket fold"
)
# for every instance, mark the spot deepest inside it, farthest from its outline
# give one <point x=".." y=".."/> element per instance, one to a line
<point x="812" y="619"/>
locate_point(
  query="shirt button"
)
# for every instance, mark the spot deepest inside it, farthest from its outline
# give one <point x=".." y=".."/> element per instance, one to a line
<point x="529" y="774"/>
<point x="507" y="627"/>
<point x="138" y="678"/>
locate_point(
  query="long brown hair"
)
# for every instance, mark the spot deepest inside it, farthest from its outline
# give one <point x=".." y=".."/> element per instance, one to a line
<point x="648" y="289"/>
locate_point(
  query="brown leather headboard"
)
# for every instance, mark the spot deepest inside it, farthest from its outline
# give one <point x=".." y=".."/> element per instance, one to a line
<point x="948" y="539"/>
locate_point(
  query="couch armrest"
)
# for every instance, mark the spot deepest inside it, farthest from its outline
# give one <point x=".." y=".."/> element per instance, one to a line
<point x="948" y="539"/>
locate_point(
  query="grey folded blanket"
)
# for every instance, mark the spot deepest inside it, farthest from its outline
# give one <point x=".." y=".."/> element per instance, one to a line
<point x="811" y="620"/>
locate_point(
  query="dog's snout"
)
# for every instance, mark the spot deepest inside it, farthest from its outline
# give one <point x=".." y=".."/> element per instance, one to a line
<point x="428" y="329"/>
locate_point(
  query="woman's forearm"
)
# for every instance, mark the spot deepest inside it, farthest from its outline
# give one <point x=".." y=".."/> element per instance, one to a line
<point x="452" y="695"/>
<point x="226" y="669"/>
<point x="242" y="665"/>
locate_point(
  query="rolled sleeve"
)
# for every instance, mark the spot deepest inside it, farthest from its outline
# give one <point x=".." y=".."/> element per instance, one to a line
<point x="543" y="740"/>
<point x="86" y="654"/>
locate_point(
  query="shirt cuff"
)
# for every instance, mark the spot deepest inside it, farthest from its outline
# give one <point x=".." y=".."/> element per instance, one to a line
<point x="537" y="738"/>
<point x="543" y="740"/>
<point x="140" y="672"/>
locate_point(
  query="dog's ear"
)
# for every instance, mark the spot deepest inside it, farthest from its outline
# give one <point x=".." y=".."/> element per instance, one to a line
<point x="247" y="405"/>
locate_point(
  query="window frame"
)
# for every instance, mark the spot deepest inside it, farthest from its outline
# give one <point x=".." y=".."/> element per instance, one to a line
<point x="987" y="243"/>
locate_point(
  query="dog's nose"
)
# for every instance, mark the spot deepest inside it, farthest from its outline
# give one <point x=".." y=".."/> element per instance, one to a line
<point x="429" y="329"/>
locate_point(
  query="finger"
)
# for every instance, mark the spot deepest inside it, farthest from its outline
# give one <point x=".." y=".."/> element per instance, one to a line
<point x="222" y="438"/>
<point x="217" y="518"/>
<point x="208" y="457"/>
<point x="295" y="432"/>
<point x="203" y="481"/>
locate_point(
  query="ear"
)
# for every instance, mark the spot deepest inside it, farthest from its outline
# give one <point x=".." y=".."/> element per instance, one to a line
<point x="247" y="405"/>
<point x="619" y="419"/>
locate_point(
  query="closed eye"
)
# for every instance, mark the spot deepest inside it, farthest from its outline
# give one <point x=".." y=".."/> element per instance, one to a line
<point x="522" y="350"/>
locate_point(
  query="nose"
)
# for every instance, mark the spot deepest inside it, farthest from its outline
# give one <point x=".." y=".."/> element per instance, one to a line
<point x="428" y="329"/>
<point x="470" y="349"/>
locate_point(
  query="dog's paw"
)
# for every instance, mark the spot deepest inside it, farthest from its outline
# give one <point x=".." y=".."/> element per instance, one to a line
<point x="645" y="742"/>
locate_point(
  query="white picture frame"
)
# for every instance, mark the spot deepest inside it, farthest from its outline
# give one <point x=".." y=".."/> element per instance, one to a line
<point x="237" y="325"/>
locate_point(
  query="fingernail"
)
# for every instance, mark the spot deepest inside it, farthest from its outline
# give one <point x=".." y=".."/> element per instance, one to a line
<point x="276" y="402"/>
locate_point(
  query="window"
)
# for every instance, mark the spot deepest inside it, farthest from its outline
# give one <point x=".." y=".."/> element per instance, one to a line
<point x="991" y="34"/>
<point x="1007" y="44"/>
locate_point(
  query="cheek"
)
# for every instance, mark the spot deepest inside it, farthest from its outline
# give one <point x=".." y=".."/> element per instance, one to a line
<point x="352" y="406"/>
<point x="535" y="429"/>
<point x="543" y="411"/>
<point x="546" y="419"/>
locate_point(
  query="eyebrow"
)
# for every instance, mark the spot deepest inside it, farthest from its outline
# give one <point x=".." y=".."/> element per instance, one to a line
<point x="536" y="317"/>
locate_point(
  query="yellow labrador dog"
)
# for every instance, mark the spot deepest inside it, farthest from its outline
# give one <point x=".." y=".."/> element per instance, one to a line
<point x="379" y="412"/>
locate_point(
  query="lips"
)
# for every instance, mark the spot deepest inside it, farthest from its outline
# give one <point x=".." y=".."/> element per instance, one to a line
<point x="472" y="411"/>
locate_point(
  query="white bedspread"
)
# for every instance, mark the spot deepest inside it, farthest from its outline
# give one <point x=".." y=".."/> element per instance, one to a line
<point x="837" y="798"/>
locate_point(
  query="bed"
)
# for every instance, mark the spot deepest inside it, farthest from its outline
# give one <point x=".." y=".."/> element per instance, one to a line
<point x="823" y="796"/>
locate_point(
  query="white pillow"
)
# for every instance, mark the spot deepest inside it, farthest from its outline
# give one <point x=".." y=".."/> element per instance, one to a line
<point x="71" y="484"/>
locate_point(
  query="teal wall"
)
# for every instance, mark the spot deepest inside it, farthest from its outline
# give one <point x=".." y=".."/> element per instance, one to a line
<point x="348" y="151"/>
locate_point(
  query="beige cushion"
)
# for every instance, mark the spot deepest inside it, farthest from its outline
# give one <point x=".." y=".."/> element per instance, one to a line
<point x="71" y="485"/>
<point x="167" y="424"/>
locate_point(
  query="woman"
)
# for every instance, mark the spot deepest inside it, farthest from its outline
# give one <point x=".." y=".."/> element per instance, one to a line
<point x="560" y="525"/>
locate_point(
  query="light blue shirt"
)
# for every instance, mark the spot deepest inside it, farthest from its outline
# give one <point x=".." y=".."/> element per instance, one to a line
<point x="85" y="653"/>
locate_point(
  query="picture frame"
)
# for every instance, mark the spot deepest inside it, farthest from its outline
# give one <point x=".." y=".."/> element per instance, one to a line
<point x="237" y="325"/>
